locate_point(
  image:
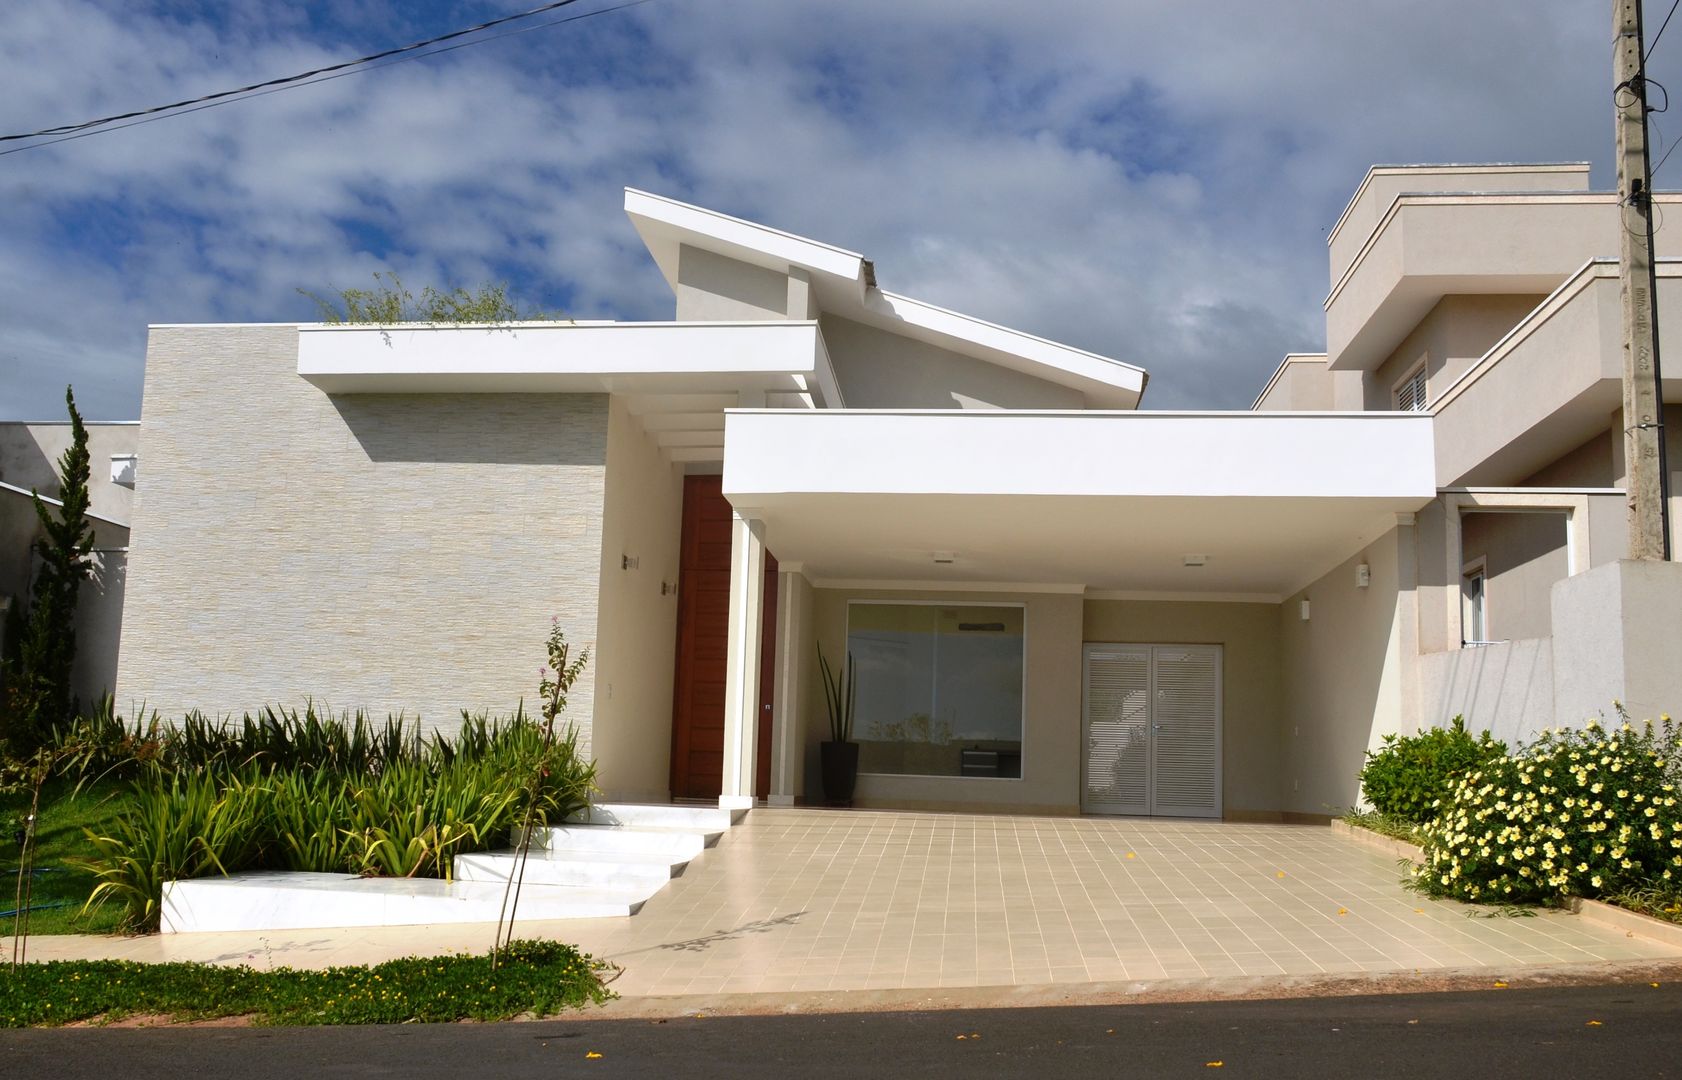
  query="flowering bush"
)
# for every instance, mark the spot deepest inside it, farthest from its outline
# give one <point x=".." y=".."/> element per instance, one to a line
<point x="1411" y="776"/>
<point x="1576" y="813"/>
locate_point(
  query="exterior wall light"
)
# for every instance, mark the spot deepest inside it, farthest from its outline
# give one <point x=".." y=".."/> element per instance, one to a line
<point x="1305" y="609"/>
<point x="1363" y="576"/>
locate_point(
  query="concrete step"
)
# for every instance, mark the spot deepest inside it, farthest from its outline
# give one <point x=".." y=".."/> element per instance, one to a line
<point x="277" y="900"/>
<point x="619" y="839"/>
<point x="660" y="816"/>
<point x="574" y="868"/>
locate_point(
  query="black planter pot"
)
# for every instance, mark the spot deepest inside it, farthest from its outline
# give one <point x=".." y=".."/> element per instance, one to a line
<point x="840" y="763"/>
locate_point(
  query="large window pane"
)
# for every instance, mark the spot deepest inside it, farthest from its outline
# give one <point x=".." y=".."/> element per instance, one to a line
<point x="939" y="688"/>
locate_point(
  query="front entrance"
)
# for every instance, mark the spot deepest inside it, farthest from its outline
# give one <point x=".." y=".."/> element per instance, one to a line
<point x="703" y="626"/>
<point x="1151" y="728"/>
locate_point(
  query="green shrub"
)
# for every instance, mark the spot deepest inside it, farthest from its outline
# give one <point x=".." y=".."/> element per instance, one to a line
<point x="536" y="977"/>
<point x="182" y="826"/>
<point x="1409" y="776"/>
<point x="310" y="792"/>
<point x="1578" y="813"/>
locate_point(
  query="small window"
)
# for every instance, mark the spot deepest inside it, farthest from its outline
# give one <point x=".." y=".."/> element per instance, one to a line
<point x="1410" y="392"/>
<point x="1474" y="618"/>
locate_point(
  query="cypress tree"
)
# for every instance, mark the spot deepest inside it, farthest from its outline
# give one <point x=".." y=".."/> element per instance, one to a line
<point x="38" y="694"/>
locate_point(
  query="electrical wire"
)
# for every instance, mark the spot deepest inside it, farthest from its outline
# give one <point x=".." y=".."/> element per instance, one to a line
<point x="149" y="116"/>
<point x="1654" y="171"/>
<point x="1651" y="45"/>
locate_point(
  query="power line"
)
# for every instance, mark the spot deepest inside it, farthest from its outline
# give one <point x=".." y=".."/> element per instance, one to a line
<point x="354" y="71"/>
<point x="1651" y="45"/>
<point x="301" y="78"/>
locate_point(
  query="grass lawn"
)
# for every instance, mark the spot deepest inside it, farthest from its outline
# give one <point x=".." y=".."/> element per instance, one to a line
<point x="59" y="841"/>
<point x="536" y="978"/>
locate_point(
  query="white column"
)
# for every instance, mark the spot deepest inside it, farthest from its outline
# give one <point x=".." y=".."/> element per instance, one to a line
<point x="788" y="728"/>
<point x="741" y="672"/>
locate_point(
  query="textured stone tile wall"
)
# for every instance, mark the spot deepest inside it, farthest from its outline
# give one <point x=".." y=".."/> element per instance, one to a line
<point x="391" y="552"/>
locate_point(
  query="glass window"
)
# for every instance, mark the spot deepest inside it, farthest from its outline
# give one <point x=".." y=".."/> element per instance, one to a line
<point x="939" y="688"/>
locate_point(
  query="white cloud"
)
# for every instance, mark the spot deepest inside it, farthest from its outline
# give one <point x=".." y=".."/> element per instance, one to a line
<point x="1152" y="181"/>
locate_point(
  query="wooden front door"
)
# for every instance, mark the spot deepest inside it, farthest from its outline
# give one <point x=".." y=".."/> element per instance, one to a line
<point x="703" y="625"/>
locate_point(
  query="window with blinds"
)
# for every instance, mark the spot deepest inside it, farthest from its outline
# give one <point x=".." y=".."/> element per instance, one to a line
<point x="1410" y="394"/>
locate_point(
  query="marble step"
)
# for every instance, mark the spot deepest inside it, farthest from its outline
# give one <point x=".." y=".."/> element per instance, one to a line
<point x="279" y="900"/>
<point x="626" y="869"/>
<point x="705" y="819"/>
<point x="646" y="840"/>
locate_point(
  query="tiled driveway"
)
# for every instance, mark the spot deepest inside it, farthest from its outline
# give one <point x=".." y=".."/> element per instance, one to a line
<point x="794" y="900"/>
<point x="825" y="900"/>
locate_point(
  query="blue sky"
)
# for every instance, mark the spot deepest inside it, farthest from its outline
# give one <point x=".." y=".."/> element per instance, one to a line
<point x="1150" y="181"/>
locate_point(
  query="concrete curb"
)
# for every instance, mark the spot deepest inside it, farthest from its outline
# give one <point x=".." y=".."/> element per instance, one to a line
<point x="1143" y="992"/>
<point x="1632" y="923"/>
<point x="1401" y="849"/>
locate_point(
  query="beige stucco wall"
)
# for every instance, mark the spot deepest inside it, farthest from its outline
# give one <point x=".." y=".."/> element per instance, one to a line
<point x="1505" y="689"/>
<point x="716" y="287"/>
<point x="1250" y="682"/>
<point x="29" y="455"/>
<point x="1456" y="332"/>
<point x="391" y="552"/>
<point x="1301" y="385"/>
<point x="1050" y="780"/>
<point x="1346" y="673"/>
<point x="1524" y="554"/>
<point x="1382" y="184"/>
<point x="99" y="626"/>
<point x="636" y="632"/>
<point x="1593" y="464"/>
<point x="879" y="370"/>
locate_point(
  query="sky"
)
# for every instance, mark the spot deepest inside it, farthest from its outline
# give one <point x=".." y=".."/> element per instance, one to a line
<point x="1150" y="181"/>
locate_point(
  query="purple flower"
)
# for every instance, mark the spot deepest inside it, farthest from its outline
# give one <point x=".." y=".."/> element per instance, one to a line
<point x="543" y="673"/>
<point x="554" y="620"/>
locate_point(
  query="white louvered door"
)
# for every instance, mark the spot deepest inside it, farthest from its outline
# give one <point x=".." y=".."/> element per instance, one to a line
<point x="1116" y="776"/>
<point x="1152" y="730"/>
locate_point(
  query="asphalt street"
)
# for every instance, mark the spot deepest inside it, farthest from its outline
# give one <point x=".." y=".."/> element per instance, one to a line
<point x="1626" y="1031"/>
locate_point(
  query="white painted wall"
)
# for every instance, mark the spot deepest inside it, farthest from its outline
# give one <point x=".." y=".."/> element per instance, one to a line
<point x="636" y="630"/>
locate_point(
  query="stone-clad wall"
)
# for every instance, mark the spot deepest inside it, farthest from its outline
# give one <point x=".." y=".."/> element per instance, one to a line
<point x="399" y="552"/>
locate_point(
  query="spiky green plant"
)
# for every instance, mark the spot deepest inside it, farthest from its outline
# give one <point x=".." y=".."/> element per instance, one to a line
<point x="186" y="826"/>
<point x="839" y="692"/>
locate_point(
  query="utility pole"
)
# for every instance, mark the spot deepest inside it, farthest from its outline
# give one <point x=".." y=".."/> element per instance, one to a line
<point x="1644" y="455"/>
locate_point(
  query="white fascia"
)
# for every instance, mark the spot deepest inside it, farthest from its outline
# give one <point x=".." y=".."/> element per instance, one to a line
<point x="1385" y="456"/>
<point x="569" y="358"/>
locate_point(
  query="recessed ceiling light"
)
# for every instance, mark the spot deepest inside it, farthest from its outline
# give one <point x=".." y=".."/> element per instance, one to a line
<point x="945" y="557"/>
<point x="1196" y="560"/>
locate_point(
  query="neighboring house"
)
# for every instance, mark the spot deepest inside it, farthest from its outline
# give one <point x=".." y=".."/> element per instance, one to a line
<point x="1054" y="603"/>
<point x="29" y="456"/>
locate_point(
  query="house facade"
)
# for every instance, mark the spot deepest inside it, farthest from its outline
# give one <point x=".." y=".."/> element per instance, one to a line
<point x="1051" y="601"/>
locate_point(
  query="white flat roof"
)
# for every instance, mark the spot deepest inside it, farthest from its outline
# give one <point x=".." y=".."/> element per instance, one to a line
<point x="551" y="357"/>
<point x="1102" y="500"/>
